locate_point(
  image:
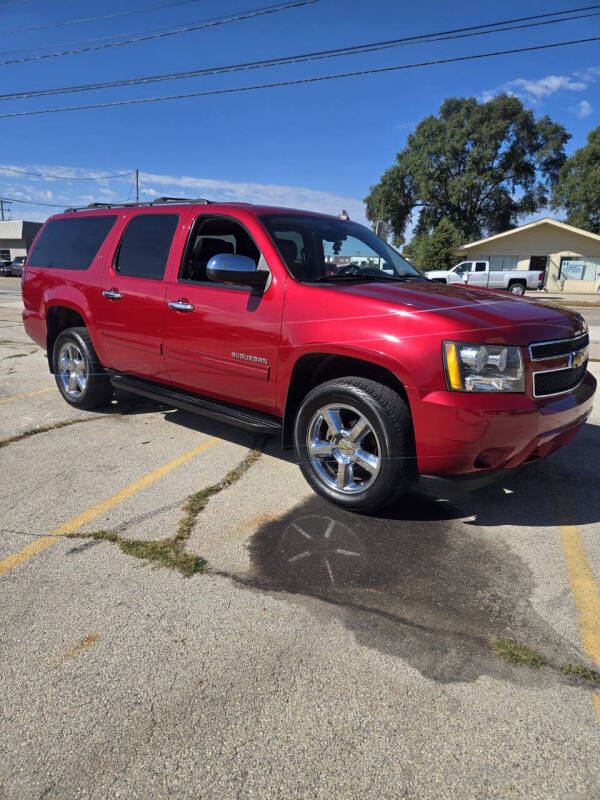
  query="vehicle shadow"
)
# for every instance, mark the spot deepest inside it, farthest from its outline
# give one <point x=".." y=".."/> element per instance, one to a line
<point x="128" y="404"/>
<point x="424" y="580"/>
<point x="429" y="580"/>
<point x="229" y="433"/>
<point x="420" y="584"/>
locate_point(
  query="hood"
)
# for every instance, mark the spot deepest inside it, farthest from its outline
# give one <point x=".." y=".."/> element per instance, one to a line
<point x="496" y="316"/>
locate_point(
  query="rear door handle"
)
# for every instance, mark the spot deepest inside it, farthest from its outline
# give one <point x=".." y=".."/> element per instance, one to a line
<point x="181" y="305"/>
<point x="112" y="294"/>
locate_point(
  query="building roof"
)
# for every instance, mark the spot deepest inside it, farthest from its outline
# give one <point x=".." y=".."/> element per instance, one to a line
<point x="18" y="229"/>
<point x="530" y="225"/>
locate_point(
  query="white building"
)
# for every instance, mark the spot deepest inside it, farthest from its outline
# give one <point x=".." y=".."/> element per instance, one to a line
<point x="16" y="236"/>
<point x="569" y="256"/>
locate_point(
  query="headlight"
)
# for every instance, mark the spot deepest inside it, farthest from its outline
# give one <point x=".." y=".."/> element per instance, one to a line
<point x="483" y="367"/>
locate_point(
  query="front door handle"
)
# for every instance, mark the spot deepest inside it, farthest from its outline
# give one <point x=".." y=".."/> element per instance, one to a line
<point x="181" y="305"/>
<point x="112" y="294"/>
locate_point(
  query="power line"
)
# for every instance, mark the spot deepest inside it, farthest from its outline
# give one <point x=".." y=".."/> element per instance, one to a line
<point x="32" y="203"/>
<point x="126" y="13"/>
<point x="293" y="59"/>
<point x="176" y="28"/>
<point x="63" y="177"/>
<point x="162" y="33"/>
<point x="302" y="81"/>
<point x="110" y="37"/>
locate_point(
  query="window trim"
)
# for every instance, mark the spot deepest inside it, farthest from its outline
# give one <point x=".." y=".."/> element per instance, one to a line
<point x="187" y="246"/>
<point x="113" y="265"/>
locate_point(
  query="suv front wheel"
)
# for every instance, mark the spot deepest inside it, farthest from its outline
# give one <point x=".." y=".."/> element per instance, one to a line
<point x="79" y="375"/>
<point x="354" y="443"/>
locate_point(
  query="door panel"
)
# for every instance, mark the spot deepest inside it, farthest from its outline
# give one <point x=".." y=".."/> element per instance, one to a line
<point x="131" y="309"/>
<point x="223" y="340"/>
<point x="479" y="275"/>
<point x="132" y="326"/>
<point x="227" y="346"/>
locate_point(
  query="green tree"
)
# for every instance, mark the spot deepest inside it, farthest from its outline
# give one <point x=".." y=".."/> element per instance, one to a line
<point x="578" y="187"/>
<point x="480" y="165"/>
<point x="436" y="250"/>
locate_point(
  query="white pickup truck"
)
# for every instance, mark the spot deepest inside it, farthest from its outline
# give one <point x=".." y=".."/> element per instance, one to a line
<point x="477" y="273"/>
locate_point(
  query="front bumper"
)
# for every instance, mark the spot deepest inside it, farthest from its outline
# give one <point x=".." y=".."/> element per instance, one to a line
<point x="467" y="434"/>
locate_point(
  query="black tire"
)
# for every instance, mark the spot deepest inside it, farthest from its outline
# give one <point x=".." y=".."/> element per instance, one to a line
<point x="98" y="390"/>
<point x="388" y="414"/>
<point x="517" y="288"/>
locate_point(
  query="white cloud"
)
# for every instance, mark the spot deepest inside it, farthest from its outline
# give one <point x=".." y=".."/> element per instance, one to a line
<point x="536" y="90"/>
<point x="588" y="75"/>
<point x="267" y="194"/>
<point x="81" y="192"/>
<point x="582" y="109"/>
<point x="546" y="86"/>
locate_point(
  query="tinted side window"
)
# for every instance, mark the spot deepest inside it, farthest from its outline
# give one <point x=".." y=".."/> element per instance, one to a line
<point x="212" y="236"/>
<point x="71" y="243"/>
<point x="480" y="266"/>
<point x="145" y="246"/>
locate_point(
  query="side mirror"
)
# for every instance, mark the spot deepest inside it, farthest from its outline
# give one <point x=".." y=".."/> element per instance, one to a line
<point x="236" y="270"/>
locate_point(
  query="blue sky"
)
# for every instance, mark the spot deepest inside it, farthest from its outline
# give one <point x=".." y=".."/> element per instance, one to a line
<point x="315" y="146"/>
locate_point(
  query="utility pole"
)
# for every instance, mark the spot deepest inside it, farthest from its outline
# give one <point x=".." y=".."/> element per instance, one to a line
<point x="4" y="209"/>
<point x="137" y="188"/>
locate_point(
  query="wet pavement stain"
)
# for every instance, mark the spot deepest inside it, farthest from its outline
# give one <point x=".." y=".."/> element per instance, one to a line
<point x="417" y="583"/>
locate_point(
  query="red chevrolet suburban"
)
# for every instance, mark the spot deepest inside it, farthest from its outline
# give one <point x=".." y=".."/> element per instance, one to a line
<point x="310" y="327"/>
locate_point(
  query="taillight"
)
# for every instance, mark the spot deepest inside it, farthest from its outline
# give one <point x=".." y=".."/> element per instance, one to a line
<point x="541" y="276"/>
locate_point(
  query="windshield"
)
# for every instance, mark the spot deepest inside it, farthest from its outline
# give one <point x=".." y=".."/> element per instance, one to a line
<point x="324" y="249"/>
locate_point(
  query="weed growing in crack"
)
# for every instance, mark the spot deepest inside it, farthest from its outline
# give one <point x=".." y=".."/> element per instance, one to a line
<point x="516" y="653"/>
<point x="520" y="654"/>
<point x="170" y="553"/>
<point x="44" y="429"/>
<point x="54" y="426"/>
<point x="582" y="672"/>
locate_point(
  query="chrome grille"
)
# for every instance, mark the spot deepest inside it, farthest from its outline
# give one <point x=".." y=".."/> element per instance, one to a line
<point x="557" y="381"/>
<point x="561" y="347"/>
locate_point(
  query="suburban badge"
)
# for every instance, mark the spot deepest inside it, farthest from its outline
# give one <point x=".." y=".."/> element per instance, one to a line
<point x="245" y="357"/>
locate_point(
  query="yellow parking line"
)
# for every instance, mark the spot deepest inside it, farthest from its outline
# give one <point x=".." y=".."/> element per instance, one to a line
<point x="584" y="588"/>
<point x="23" y="396"/>
<point x="73" y="524"/>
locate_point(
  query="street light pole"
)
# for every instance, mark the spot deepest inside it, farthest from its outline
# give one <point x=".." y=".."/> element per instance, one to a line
<point x="137" y="187"/>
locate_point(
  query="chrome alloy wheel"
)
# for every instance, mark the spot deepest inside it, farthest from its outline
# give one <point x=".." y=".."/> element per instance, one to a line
<point x="73" y="370"/>
<point x="343" y="448"/>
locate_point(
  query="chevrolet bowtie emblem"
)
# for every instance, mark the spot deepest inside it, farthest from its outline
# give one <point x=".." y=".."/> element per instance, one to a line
<point x="576" y="359"/>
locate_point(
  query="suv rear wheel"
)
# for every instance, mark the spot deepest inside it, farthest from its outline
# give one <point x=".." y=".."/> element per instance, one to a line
<point x="517" y="288"/>
<point x="79" y="375"/>
<point x="354" y="443"/>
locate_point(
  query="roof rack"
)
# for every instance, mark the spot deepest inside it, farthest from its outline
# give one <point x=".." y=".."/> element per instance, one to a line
<point x="157" y="201"/>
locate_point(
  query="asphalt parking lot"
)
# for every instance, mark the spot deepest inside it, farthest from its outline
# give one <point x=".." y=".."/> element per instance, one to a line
<point x="180" y="616"/>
